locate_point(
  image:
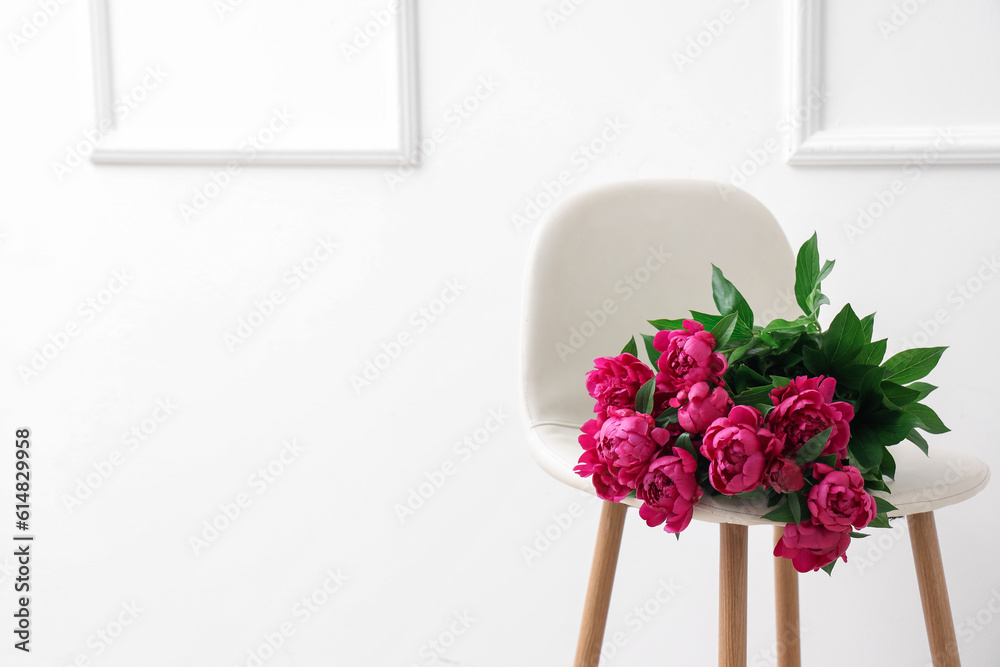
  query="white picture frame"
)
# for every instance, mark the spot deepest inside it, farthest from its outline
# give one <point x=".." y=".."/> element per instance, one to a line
<point x="407" y="153"/>
<point x="811" y="144"/>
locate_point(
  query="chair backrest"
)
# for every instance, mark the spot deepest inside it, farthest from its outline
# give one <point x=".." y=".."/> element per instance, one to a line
<point x="608" y="259"/>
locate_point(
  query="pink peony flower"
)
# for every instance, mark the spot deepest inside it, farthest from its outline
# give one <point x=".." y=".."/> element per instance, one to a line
<point x="811" y="547"/>
<point x="592" y="465"/>
<point x="615" y="381"/>
<point x="805" y="407"/>
<point x="628" y="441"/>
<point x="688" y="357"/>
<point x="669" y="491"/>
<point x="700" y="406"/>
<point x="736" y="447"/>
<point x="839" y="500"/>
<point x="783" y="475"/>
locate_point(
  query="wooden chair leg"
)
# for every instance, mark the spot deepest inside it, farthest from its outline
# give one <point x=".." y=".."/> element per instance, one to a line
<point x="602" y="578"/>
<point x="733" y="596"/>
<point x="933" y="590"/>
<point x="786" y="608"/>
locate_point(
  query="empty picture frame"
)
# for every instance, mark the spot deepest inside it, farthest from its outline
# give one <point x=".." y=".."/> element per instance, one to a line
<point x="217" y="82"/>
<point x="812" y="142"/>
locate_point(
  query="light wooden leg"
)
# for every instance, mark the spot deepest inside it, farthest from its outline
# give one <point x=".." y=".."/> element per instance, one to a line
<point x="602" y="578"/>
<point x="733" y="596"/>
<point x="786" y="608"/>
<point x="933" y="590"/>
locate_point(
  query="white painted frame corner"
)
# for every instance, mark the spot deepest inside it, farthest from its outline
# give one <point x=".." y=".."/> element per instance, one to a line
<point x="409" y="128"/>
<point x="810" y="144"/>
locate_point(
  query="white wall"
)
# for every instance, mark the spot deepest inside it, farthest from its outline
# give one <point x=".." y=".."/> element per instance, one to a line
<point x="333" y="507"/>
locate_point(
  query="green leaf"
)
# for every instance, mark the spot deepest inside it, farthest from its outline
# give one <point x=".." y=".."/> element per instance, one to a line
<point x="778" y="381"/>
<point x="644" y="397"/>
<point x="917" y="439"/>
<point x="684" y="442"/>
<point x="883" y="506"/>
<point x="844" y="339"/>
<point x="728" y="299"/>
<point x="873" y="353"/>
<point x="667" y="325"/>
<point x="868" y="326"/>
<point x="651" y="352"/>
<point x="710" y="321"/>
<point x="829" y="459"/>
<point x="890" y="426"/>
<point x="923" y="388"/>
<point x="795" y="506"/>
<point x="827" y="268"/>
<point x="888" y="466"/>
<point x="864" y="379"/>
<point x="910" y="365"/>
<point x="754" y="396"/>
<point x="858" y="536"/>
<point x="759" y="492"/>
<point x="807" y="274"/>
<point x="723" y="331"/>
<point x="880" y="521"/>
<point x="742" y="350"/>
<point x="814" y="361"/>
<point x="781" y="514"/>
<point x="927" y="419"/>
<point x="793" y="326"/>
<point x="865" y="447"/>
<point x="898" y="395"/>
<point x="812" y="447"/>
<point x="630" y="347"/>
<point x="876" y="485"/>
<point x="748" y="375"/>
<point x="828" y="568"/>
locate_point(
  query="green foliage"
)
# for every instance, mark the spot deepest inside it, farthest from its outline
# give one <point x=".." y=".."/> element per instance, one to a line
<point x="886" y="394"/>
<point x="644" y="398"/>
<point x="630" y="347"/>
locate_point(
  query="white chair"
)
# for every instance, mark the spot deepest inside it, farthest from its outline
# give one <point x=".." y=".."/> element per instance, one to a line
<point x="603" y="263"/>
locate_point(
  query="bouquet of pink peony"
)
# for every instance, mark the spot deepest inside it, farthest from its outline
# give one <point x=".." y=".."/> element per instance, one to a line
<point x="784" y="411"/>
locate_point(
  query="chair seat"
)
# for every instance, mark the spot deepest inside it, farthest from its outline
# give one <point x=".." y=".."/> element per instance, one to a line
<point x="922" y="484"/>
